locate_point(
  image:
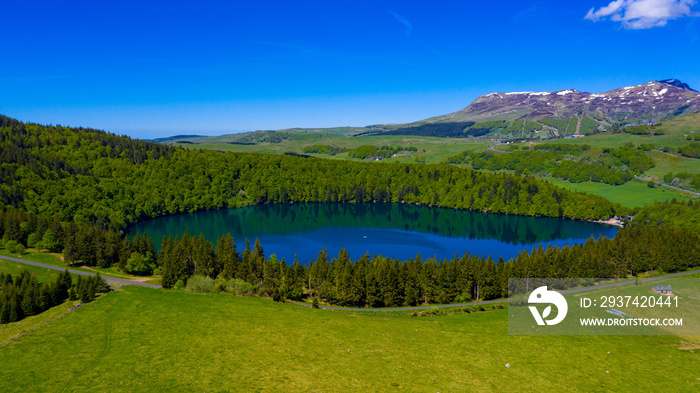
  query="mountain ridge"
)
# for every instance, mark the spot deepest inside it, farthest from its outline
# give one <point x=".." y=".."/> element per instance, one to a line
<point x="527" y="114"/>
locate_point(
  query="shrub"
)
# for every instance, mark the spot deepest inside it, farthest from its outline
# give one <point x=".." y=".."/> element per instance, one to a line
<point x="179" y="285"/>
<point x="140" y="265"/>
<point x="32" y="240"/>
<point x="10" y="245"/>
<point x="239" y="287"/>
<point x="295" y="295"/>
<point x="199" y="283"/>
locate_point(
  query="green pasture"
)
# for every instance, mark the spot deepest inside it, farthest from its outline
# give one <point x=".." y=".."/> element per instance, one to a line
<point x="634" y="193"/>
<point x="436" y="149"/>
<point x="140" y="339"/>
<point x="13" y="331"/>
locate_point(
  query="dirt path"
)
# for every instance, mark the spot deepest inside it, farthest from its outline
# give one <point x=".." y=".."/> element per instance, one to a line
<point x="132" y="278"/>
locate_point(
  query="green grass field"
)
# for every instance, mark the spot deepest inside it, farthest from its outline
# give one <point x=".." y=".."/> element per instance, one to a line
<point x="14" y="268"/>
<point x="436" y="149"/>
<point x="634" y="193"/>
<point x="139" y="339"/>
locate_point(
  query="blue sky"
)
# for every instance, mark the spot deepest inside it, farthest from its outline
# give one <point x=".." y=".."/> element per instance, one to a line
<point x="213" y="67"/>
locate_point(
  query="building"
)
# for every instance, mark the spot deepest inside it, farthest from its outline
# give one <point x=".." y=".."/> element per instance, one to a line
<point x="662" y="290"/>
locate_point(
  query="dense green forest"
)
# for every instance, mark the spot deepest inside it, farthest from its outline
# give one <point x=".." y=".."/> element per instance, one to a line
<point x="324" y="149"/>
<point x="681" y="215"/>
<point x="90" y="176"/>
<point x="567" y="162"/>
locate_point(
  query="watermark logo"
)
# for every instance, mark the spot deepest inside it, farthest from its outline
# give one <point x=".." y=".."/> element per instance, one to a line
<point x="542" y="295"/>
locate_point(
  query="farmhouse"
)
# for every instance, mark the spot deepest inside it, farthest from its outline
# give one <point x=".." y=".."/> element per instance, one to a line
<point x="662" y="290"/>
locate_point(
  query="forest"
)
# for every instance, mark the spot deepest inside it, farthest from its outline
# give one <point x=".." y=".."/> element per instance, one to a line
<point x="75" y="190"/>
<point x="567" y="162"/>
<point x="89" y="176"/>
<point x="445" y="130"/>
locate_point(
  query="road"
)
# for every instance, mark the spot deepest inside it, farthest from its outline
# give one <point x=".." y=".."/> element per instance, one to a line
<point x="143" y="284"/>
<point x="498" y="300"/>
<point x="121" y="280"/>
<point x="666" y="185"/>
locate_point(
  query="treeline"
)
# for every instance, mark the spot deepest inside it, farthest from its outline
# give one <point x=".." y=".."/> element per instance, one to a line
<point x="445" y="130"/>
<point x="90" y="244"/>
<point x="113" y="189"/>
<point x="684" y="215"/>
<point x="24" y="296"/>
<point x="692" y="150"/>
<point x="683" y="180"/>
<point x="382" y="152"/>
<point x="324" y="149"/>
<point x="611" y="166"/>
<point x="570" y="149"/>
<point x="253" y="138"/>
<point x="487" y="127"/>
<point x="384" y="282"/>
<point x="641" y="129"/>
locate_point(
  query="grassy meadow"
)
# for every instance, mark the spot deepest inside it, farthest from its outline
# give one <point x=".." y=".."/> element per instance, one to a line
<point x="436" y="149"/>
<point x="634" y="193"/>
<point x="140" y="339"/>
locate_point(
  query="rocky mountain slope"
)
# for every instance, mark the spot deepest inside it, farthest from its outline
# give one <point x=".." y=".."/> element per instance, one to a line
<point x="569" y="112"/>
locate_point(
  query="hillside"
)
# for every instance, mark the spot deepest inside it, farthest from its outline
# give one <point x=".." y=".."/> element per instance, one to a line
<point x="509" y="115"/>
<point x="571" y="112"/>
<point x="250" y="344"/>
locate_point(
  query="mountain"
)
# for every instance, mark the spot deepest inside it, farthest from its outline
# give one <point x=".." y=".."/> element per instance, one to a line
<point x="569" y="112"/>
<point x="677" y="83"/>
<point x="512" y="115"/>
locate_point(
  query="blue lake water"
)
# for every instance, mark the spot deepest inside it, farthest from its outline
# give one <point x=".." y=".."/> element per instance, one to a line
<point x="392" y="230"/>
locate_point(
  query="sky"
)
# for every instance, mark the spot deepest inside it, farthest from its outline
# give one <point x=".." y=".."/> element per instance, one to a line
<point x="151" y="69"/>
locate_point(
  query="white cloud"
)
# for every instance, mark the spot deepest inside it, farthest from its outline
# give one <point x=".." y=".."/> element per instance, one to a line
<point x="643" y="14"/>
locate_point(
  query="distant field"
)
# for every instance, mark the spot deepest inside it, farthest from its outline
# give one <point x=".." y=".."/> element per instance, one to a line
<point x="666" y="162"/>
<point x="436" y="149"/>
<point x="139" y="339"/>
<point x="634" y="193"/>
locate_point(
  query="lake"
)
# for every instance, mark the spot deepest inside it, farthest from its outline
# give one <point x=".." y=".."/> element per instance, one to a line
<point x="390" y="229"/>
